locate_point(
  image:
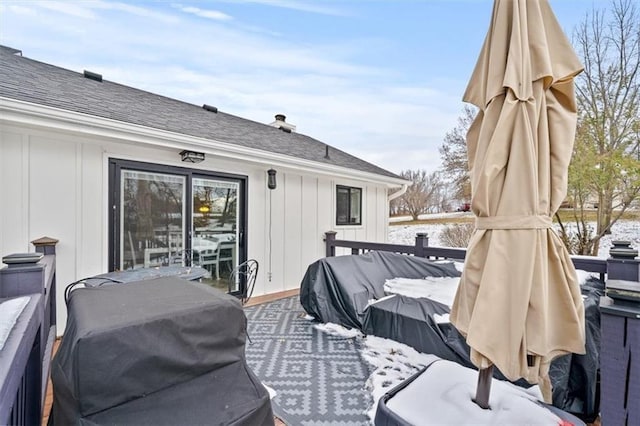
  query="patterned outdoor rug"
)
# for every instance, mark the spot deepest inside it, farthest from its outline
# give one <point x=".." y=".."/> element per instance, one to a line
<point x="319" y="378"/>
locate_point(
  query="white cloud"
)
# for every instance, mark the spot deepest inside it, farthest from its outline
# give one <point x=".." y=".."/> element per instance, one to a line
<point x="322" y="89"/>
<point x="299" y="5"/>
<point x="134" y="10"/>
<point x="209" y="14"/>
<point x="17" y="9"/>
<point x="77" y="10"/>
<point x="85" y="10"/>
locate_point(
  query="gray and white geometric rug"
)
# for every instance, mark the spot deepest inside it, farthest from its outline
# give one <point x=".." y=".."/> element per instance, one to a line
<point x="319" y="378"/>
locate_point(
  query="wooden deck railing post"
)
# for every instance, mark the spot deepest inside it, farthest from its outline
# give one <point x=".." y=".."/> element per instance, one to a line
<point x="21" y="279"/>
<point x="620" y="344"/>
<point x="329" y="239"/>
<point x="47" y="246"/>
<point x="623" y="263"/>
<point x="422" y="241"/>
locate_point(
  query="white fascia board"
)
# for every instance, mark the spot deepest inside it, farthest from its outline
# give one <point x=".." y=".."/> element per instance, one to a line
<point x="30" y="114"/>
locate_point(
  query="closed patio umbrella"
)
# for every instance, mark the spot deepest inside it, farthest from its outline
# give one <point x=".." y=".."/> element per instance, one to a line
<point x="519" y="303"/>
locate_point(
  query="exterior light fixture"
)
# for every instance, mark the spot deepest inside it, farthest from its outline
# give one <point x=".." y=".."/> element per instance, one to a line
<point x="204" y="209"/>
<point x="192" y="156"/>
<point x="271" y="179"/>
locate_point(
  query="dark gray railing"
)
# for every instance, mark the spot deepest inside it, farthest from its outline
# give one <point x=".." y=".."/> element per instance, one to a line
<point x="421" y="248"/>
<point x="26" y="356"/>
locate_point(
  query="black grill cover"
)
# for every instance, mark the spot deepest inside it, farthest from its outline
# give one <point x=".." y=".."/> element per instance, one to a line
<point x="162" y="351"/>
<point x="338" y="289"/>
<point x="411" y="321"/>
<point x="576" y="378"/>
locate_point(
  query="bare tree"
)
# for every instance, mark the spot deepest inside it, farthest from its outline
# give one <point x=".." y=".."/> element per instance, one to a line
<point x="605" y="169"/>
<point x="455" y="163"/>
<point x="422" y="196"/>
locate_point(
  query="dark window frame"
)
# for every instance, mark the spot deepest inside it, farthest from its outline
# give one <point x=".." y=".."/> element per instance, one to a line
<point x="349" y="221"/>
<point x="115" y="167"/>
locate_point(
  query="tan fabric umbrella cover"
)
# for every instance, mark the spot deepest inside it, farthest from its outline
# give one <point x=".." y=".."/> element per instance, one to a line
<point x="519" y="293"/>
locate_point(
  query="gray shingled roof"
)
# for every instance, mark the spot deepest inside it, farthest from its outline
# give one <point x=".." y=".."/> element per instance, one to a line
<point x="28" y="80"/>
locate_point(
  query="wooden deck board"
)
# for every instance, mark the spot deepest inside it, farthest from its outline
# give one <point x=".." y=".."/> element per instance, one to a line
<point x="48" y="399"/>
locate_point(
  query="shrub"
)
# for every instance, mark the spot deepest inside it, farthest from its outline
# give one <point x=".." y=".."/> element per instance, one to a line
<point x="457" y="235"/>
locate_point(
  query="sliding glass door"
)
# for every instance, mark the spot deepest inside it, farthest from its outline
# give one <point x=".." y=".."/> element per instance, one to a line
<point x="215" y="225"/>
<point x="152" y="219"/>
<point x="164" y="216"/>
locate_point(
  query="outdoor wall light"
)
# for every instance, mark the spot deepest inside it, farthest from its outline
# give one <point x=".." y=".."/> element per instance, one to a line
<point x="192" y="156"/>
<point x="271" y="179"/>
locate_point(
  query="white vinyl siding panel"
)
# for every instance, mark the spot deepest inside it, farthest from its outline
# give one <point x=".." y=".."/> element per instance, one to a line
<point x="56" y="184"/>
<point x="277" y="266"/>
<point x="256" y="225"/>
<point x="381" y="209"/>
<point x="14" y="196"/>
<point x="326" y="212"/>
<point x="293" y="232"/>
<point x="93" y="213"/>
<point x="311" y="233"/>
<point x="53" y="205"/>
<point x="372" y="214"/>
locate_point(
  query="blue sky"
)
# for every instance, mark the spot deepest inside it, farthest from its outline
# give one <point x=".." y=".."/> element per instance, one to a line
<point x="380" y="79"/>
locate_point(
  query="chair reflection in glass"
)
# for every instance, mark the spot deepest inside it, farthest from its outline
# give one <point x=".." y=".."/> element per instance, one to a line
<point x="226" y="253"/>
<point x="210" y="254"/>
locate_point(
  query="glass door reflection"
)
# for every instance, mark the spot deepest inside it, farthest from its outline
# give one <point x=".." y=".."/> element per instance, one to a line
<point x="215" y="228"/>
<point x="152" y="219"/>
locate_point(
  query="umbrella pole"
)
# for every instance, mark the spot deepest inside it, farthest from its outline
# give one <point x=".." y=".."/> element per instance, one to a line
<point x="483" y="389"/>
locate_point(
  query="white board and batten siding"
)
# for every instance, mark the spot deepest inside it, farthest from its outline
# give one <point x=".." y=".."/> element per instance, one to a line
<point x="55" y="183"/>
<point x="303" y="209"/>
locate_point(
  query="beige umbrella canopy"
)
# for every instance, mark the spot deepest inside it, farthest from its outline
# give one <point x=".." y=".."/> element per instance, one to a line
<point x="519" y="293"/>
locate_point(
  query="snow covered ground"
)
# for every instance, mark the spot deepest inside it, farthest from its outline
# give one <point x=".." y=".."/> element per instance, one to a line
<point x="628" y="230"/>
<point x="452" y="215"/>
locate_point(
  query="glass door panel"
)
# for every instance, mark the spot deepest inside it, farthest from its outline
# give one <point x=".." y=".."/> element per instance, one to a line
<point x="152" y="220"/>
<point x="215" y="228"/>
<point x="174" y="216"/>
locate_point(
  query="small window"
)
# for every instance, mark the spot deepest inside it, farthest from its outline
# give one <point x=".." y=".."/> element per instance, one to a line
<point x="348" y="205"/>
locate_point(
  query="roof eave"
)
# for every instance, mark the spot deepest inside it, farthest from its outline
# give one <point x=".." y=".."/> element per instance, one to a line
<point x="31" y="114"/>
